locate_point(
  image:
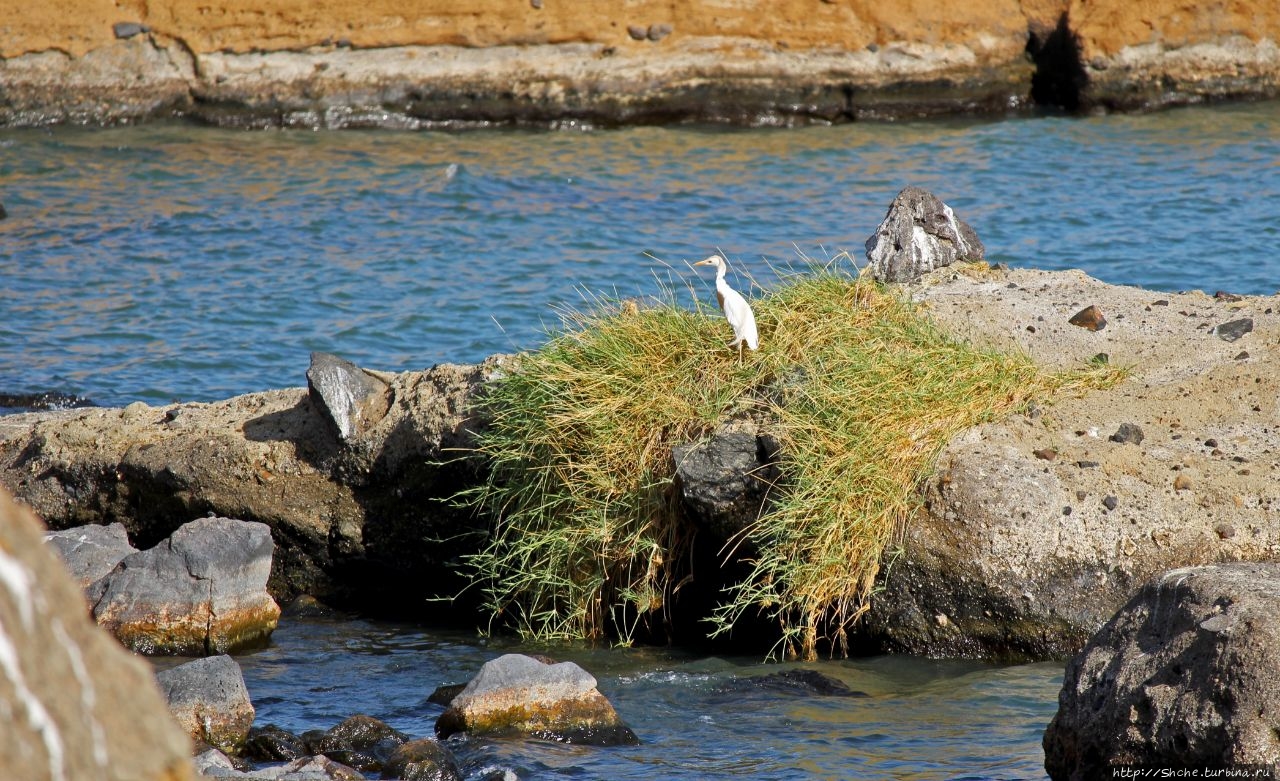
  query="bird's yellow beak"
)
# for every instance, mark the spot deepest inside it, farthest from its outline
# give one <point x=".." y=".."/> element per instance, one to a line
<point x="706" y="262"/>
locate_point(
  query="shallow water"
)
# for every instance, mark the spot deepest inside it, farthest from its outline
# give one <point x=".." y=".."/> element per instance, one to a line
<point x="170" y="262"/>
<point x="923" y="719"/>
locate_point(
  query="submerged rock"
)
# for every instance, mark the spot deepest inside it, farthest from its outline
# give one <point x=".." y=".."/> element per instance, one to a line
<point x="1183" y="675"/>
<point x="518" y="696"/>
<point x="75" y="704"/>
<point x="202" y="591"/>
<point x="422" y="760"/>
<point x="209" y="700"/>
<point x="919" y="233"/>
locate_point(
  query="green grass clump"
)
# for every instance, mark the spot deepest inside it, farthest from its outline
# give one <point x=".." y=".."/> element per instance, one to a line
<point x="862" y="391"/>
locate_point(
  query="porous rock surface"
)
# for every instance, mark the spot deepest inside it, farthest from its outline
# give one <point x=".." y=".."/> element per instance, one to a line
<point x="77" y="705"/>
<point x="201" y="591"/>
<point x="362" y="517"/>
<point x="91" y="552"/>
<point x="520" y="696"/>
<point x="208" y="698"/>
<point x="1037" y="528"/>
<point x="396" y="63"/>
<point x="919" y="234"/>
<point x="1184" y="675"/>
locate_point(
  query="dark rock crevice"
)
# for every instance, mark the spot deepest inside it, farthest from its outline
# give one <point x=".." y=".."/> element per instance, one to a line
<point x="1059" y="80"/>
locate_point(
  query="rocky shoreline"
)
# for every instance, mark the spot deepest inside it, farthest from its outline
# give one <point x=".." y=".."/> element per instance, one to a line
<point x="440" y="64"/>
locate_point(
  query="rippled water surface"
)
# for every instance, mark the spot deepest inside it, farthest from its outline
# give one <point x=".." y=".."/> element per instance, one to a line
<point x="178" y="263"/>
<point x="922" y="719"/>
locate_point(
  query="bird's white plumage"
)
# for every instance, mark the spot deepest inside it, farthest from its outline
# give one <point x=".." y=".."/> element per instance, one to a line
<point x="736" y="309"/>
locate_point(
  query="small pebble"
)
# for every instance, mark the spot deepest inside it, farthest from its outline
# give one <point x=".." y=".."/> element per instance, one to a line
<point x="1128" y="433"/>
<point x="1233" y="330"/>
<point x="1242" y="355"/>
<point x="1066" y="510"/>
<point x="1090" y="318"/>
<point x="1211" y="443"/>
<point x="1086" y="464"/>
<point x="637" y="32"/>
<point x="1181" y="483"/>
<point x="1225" y="531"/>
<point x="1045" y="454"/>
<point x="657" y="32"/>
<point x="1110" y="502"/>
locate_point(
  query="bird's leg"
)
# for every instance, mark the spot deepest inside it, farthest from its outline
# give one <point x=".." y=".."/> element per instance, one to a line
<point x="739" y="352"/>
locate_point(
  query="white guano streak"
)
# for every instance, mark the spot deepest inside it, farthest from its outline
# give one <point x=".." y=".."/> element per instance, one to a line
<point x="18" y="580"/>
<point x="955" y="228"/>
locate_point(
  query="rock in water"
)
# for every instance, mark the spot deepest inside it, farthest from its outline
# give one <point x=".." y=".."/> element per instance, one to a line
<point x="202" y="591"/>
<point x="725" y="480"/>
<point x="90" y="552"/>
<point x="76" y="705"/>
<point x="517" y="695"/>
<point x="352" y="398"/>
<point x="920" y="233"/>
<point x="422" y="760"/>
<point x="209" y="700"/>
<point x="1183" y="675"/>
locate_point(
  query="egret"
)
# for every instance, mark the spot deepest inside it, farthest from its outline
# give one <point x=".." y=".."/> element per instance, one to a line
<point x="736" y="309"/>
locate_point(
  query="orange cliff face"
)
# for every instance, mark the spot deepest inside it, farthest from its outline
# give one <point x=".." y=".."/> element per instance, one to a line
<point x="622" y="61"/>
<point x="78" y="26"/>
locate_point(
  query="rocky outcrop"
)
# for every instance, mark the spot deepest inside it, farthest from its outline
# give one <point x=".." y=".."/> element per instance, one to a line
<point x="209" y="700"/>
<point x="1037" y="528"/>
<point x="519" y="696"/>
<point x="919" y="234"/>
<point x="77" y="705"/>
<point x="202" y="591"/>
<point x="1182" y="676"/>
<point x="403" y="64"/>
<point x="338" y="510"/>
<point x="359" y="744"/>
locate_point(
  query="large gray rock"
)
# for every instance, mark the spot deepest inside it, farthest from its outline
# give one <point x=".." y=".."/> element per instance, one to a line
<point x="919" y="233"/>
<point x="91" y="551"/>
<point x="76" y="705"/>
<point x="209" y="700"/>
<point x="517" y="695"/>
<point x="202" y="591"/>
<point x="1184" y="675"/>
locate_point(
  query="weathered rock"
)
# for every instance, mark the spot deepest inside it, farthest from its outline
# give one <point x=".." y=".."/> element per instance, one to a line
<point x="422" y="760"/>
<point x="725" y="481"/>
<point x="202" y="591"/>
<point x="1234" y="329"/>
<point x="993" y="551"/>
<point x="92" y="551"/>
<point x="1130" y="433"/>
<point x="77" y="705"/>
<point x="270" y="743"/>
<point x="1090" y="318"/>
<point x="372" y="505"/>
<point x="351" y="398"/>
<point x="919" y="233"/>
<point x="311" y="768"/>
<point x="1183" y="675"/>
<point x="517" y="695"/>
<point x="209" y="700"/>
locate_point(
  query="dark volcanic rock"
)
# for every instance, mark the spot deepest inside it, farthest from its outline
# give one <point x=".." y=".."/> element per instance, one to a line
<point x="273" y="744"/>
<point x="202" y="591"/>
<point x="1128" y="433"/>
<point x="519" y="696"/>
<point x="1233" y="330"/>
<point x="919" y="233"/>
<point x="725" y="481"/>
<point x="422" y="760"/>
<point x="798" y="682"/>
<point x="209" y="700"/>
<point x="1183" y="675"/>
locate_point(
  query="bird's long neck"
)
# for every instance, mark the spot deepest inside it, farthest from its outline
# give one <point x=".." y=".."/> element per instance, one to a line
<point x="721" y="268"/>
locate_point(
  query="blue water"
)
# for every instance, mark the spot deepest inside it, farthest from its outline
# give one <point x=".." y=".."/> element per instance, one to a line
<point x="168" y="262"/>
<point x="923" y="719"/>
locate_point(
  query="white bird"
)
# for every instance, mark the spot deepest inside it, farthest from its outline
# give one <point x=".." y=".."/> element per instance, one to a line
<point x="736" y="309"/>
